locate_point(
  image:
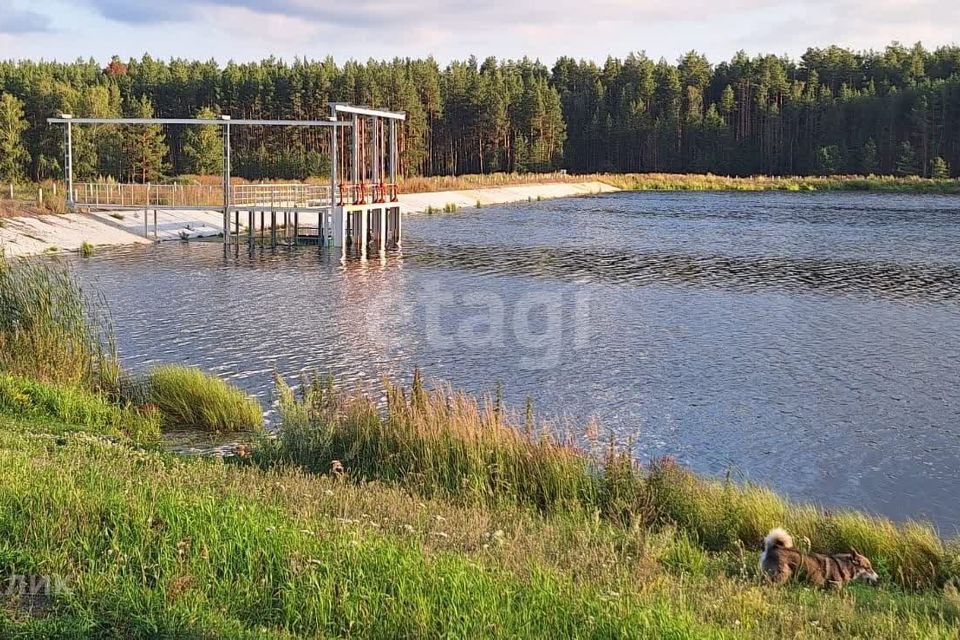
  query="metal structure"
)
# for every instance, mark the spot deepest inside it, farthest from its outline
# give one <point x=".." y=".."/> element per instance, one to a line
<point x="359" y="213"/>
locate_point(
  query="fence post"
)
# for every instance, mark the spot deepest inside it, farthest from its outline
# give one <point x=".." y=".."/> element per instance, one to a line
<point x="39" y="197"/>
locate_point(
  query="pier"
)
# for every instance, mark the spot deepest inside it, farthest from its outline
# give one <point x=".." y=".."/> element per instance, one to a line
<point x="358" y="211"/>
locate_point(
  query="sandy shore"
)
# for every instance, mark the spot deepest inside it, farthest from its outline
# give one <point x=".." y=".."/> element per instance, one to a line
<point x="33" y="235"/>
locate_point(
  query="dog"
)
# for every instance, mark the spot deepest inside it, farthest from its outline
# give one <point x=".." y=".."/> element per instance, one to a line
<point x="780" y="562"/>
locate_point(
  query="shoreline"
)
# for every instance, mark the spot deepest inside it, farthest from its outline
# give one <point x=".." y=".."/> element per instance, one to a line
<point x="37" y="234"/>
<point x="441" y="511"/>
<point x="55" y="233"/>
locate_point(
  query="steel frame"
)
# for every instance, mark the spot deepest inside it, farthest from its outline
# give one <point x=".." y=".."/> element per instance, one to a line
<point x="354" y="113"/>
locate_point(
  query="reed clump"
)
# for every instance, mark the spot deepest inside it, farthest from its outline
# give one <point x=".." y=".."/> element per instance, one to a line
<point x="51" y="331"/>
<point x="188" y="398"/>
<point x="442" y="443"/>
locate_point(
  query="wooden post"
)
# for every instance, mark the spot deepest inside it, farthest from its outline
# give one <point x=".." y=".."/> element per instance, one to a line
<point x="39" y="197"/>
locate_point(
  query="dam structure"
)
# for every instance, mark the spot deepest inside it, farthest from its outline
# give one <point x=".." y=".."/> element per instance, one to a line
<point x="357" y="211"/>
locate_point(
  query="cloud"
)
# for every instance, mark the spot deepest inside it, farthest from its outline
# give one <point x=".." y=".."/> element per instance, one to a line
<point x="15" y="21"/>
<point x="454" y="29"/>
<point x="472" y="14"/>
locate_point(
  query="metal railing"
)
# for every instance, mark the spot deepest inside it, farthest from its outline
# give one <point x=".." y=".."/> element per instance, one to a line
<point x="281" y="195"/>
<point x="106" y="195"/>
<point x="121" y="195"/>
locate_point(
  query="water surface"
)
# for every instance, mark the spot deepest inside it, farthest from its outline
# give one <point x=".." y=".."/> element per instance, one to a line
<point x="808" y="341"/>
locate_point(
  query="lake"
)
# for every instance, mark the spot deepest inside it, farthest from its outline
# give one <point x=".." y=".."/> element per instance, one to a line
<point x="808" y="341"/>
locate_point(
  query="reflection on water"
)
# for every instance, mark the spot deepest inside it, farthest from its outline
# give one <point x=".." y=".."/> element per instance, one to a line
<point x="808" y="340"/>
<point x="921" y="281"/>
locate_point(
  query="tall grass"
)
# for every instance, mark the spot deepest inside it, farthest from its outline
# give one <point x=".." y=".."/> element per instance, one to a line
<point x="441" y="443"/>
<point x="445" y="443"/>
<point x="51" y="331"/>
<point x="188" y="398"/>
<point x="688" y="182"/>
<point x="75" y="408"/>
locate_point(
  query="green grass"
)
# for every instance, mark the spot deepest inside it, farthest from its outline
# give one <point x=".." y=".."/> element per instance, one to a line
<point x="450" y="207"/>
<point x="156" y="545"/>
<point x="51" y="330"/>
<point x="188" y="398"/>
<point x="86" y="249"/>
<point x="444" y="444"/>
<point x="29" y="400"/>
<point x="690" y="182"/>
<point x="710" y="182"/>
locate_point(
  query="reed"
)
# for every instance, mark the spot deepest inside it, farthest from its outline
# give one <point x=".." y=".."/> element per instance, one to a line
<point x="447" y="444"/>
<point x="188" y="398"/>
<point x="51" y="331"/>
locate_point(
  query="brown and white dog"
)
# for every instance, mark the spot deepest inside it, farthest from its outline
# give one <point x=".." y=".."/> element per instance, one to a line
<point x="780" y="562"/>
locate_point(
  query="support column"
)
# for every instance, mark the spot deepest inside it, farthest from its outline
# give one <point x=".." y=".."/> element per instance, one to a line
<point x="364" y="222"/>
<point x="383" y="229"/>
<point x="355" y="146"/>
<point x="399" y="225"/>
<point x="375" y="154"/>
<point x="334" y="168"/>
<point x="393" y="155"/>
<point x="70" y="203"/>
<point x="227" y="196"/>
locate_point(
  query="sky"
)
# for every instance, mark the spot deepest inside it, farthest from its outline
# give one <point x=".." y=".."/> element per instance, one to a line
<point x="245" y="30"/>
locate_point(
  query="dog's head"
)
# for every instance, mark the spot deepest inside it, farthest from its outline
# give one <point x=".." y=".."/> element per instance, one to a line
<point x="863" y="570"/>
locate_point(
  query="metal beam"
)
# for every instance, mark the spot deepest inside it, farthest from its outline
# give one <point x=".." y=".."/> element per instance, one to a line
<point x="198" y="121"/>
<point x="71" y="205"/>
<point x="339" y="107"/>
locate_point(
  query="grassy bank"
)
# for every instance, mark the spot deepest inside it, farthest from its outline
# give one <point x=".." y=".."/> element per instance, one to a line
<point x="452" y="446"/>
<point x="690" y="182"/>
<point x="52" y="331"/>
<point x="150" y="544"/>
<point x="709" y="182"/>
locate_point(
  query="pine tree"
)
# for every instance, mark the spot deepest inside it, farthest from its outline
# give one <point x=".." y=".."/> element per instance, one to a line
<point x="939" y="168"/>
<point x="203" y="146"/>
<point x="828" y="160"/>
<point x="13" y="153"/>
<point x="144" y="147"/>
<point x="907" y="160"/>
<point x="869" y="160"/>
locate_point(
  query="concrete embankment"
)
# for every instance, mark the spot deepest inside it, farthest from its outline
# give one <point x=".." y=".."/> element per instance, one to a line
<point x="420" y="202"/>
<point x="32" y="235"/>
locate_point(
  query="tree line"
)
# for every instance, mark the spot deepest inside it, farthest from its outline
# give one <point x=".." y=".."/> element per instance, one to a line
<point x="834" y="110"/>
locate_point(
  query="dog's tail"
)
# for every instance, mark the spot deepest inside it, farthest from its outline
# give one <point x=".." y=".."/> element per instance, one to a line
<point x="777" y="538"/>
